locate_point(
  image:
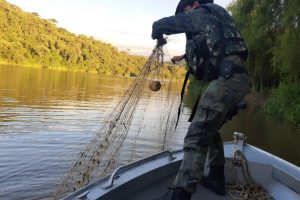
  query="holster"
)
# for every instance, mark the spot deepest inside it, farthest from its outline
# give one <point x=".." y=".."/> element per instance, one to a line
<point x="227" y="68"/>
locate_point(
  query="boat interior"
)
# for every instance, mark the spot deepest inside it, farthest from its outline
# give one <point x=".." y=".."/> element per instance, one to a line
<point x="150" y="178"/>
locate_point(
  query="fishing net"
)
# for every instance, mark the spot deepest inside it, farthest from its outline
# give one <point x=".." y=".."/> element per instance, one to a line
<point x="100" y="156"/>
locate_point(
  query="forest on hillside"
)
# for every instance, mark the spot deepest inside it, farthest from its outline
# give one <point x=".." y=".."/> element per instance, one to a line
<point x="271" y="29"/>
<point x="27" y="39"/>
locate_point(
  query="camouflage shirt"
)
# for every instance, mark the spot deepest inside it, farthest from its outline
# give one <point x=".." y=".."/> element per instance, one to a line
<point x="209" y="21"/>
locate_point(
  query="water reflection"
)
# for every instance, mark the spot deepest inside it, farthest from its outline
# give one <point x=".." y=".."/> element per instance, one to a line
<point x="266" y="132"/>
<point x="38" y="86"/>
<point x="47" y="118"/>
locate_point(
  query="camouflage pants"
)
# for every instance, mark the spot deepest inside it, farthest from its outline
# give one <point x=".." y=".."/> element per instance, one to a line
<point x="219" y="98"/>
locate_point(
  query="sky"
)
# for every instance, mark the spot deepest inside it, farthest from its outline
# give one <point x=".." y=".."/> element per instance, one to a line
<point x="126" y="24"/>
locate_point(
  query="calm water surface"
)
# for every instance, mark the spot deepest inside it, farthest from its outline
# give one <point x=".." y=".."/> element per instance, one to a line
<point x="47" y="117"/>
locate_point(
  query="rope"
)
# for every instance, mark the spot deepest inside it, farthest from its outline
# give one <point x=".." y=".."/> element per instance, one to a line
<point x="249" y="190"/>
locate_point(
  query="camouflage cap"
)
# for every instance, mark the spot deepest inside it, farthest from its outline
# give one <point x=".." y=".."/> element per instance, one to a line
<point x="183" y="3"/>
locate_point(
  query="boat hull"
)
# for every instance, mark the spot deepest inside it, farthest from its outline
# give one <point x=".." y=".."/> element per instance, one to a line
<point x="148" y="179"/>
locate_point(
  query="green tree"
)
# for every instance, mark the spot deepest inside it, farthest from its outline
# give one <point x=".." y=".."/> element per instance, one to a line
<point x="272" y="32"/>
<point x="25" y="38"/>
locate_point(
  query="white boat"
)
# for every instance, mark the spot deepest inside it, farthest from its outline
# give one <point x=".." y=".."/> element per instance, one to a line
<point x="148" y="179"/>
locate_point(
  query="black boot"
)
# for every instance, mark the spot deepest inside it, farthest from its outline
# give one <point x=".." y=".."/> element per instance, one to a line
<point x="181" y="194"/>
<point x="215" y="181"/>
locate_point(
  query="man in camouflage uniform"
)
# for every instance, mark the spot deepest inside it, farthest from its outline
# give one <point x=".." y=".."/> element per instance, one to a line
<point x="220" y="61"/>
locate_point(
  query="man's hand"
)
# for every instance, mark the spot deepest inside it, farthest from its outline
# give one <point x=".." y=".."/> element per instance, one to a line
<point x="177" y="58"/>
<point x="161" y="41"/>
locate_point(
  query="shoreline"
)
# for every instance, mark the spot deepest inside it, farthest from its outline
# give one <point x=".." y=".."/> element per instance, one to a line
<point x="66" y="69"/>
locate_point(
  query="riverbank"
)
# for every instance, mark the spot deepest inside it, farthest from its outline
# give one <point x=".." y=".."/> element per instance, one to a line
<point x="257" y="99"/>
<point x="38" y="66"/>
<point x="176" y="73"/>
<point x="4" y="63"/>
<point x="282" y="102"/>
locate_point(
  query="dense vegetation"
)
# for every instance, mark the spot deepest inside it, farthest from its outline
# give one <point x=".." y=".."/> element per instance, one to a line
<point x="271" y="29"/>
<point x="286" y="100"/>
<point x="26" y="39"/>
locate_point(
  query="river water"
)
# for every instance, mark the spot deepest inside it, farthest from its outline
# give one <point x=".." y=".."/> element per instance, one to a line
<point x="48" y="117"/>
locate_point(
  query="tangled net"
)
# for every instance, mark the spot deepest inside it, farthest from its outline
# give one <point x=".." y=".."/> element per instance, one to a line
<point x="100" y="155"/>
